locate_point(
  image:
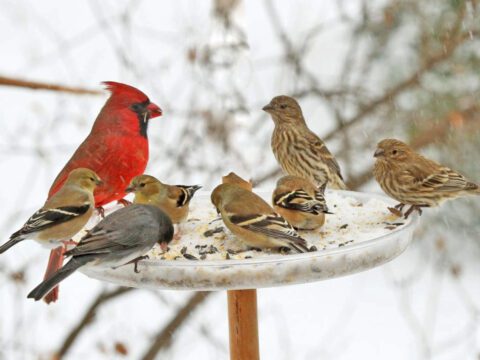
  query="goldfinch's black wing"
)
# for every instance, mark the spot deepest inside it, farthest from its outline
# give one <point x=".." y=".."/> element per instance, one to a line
<point x="45" y="218"/>
<point x="299" y="200"/>
<point x="271" y="225"/>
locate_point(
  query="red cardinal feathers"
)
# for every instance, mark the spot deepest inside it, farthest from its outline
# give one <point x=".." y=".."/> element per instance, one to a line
<point x="116" y="149"/>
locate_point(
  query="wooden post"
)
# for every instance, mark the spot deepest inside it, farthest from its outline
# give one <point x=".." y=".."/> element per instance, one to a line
<point x="243" y="323"/>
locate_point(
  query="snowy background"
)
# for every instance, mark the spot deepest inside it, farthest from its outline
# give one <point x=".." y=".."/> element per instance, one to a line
<point x="362" y="71"/>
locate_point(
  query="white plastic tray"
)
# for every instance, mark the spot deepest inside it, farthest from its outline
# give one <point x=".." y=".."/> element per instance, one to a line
<point x="272" y="269"/>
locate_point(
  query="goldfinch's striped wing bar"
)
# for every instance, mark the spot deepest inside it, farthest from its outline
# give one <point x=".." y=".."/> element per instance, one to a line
<point x="271" y="225"/>
<point x="186" y="194"/>
<point x="45" y="218"/>
<point x="301" y="201"/>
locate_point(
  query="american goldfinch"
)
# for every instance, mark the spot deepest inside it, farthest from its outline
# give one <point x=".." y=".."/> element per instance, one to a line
<point x="253" y="221"/>
<point x="301" y="203"/>
<point x="173" y="199"/>
<point x="116" y="149"/>
<point x="122" y="237"/>
<point x="63" y="215"/>
<point x="233" y="178"/>
<point x="297" y="149"/>
<point x="415" y="180"/>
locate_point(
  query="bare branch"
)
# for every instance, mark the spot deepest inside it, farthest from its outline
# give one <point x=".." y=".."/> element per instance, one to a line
<point x="88" y="317"/>
<point x="7" y="81"/>
<point x="163" y="339"/>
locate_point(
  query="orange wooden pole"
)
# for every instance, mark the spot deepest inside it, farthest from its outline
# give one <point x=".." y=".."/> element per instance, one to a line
<point x="243" y="323"/>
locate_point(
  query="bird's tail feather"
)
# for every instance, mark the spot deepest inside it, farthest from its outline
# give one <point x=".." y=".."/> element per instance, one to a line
<point x="13" y="241"/>
<point x="44" y="287"/>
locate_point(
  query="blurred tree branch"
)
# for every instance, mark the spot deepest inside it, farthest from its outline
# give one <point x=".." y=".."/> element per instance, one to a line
<point x="35" y="85"/>
<point x="88" y="317"/>
<point x="163" y="339"/>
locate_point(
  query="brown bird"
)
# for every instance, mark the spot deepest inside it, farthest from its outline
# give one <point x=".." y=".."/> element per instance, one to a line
<point x="415" y="180"/>
<point x="173" y="199"/>
<point x="233" y="178"/>
<point x="253" y="221"/>
<point x="301" y="203"/>
<point x="297" y="149"/>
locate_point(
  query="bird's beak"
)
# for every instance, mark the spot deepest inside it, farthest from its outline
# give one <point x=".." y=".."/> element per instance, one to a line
<point x="327" y="212"/>
<point x="130" y="189"/>
<point x="267" y="108"/>
<point x="164" y="246"/>
<point x="378" y="153"/>
<point x="99" y="182"/>
<point x="154" y="110"/>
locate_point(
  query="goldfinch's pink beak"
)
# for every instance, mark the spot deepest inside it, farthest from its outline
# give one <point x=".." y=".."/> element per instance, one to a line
<point x="164" y="246"/>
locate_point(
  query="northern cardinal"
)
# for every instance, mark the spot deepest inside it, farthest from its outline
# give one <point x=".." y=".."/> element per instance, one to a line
<point x="116" y="149"/>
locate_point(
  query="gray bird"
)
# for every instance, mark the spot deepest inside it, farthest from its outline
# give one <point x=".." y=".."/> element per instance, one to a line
<point x="121" y="238"/>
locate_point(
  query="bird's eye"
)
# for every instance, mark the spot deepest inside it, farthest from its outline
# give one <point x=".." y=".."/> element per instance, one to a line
<point x="142" y="184"/>
<point x="394" y="152"/>
<point x="283" y="106"/>
<point x="92" y="179"/>
<point x="137" y="107"/>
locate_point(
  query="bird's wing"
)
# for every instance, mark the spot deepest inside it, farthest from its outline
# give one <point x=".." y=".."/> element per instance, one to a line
<point x="118" y="231"/>
<point x="301" y="201"/>
<point x="48" y="217"/>
<point x="90" y="154"/>
<point x="318" y="147"/>
<point x="271" y="225"/>
<point x="443" y="179"/>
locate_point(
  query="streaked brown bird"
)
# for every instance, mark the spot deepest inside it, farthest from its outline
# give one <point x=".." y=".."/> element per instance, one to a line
<point x="253" y="221"/>
<point x="301" y="203"/>
<point x="297" y="149"/>
<point x="415" y="180"/>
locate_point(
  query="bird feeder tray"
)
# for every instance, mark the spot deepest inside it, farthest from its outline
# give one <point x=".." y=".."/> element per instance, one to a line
<point x="360" y="234"/>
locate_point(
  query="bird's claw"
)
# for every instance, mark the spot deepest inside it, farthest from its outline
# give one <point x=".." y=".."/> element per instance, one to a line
<point x="399" y="206"/>
<point x="101" y="211"/>
<point x="124" y="202"/>
<point x="135" y="262"/>
<point x="412" y="209"/>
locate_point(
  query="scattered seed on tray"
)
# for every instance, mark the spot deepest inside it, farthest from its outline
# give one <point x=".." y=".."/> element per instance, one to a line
<point x="184" y="250"/>
<point x="211" y="232"/>
<point x="344" y="226"/>
<point x="189" y="256"/>
<point x="312" y="248"/>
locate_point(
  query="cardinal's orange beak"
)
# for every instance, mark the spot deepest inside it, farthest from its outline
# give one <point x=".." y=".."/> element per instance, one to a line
<point x="154" y="110"/>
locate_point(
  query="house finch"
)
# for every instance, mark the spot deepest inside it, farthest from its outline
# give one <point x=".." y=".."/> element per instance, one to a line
<point x="116" y="149"/>
<point x="233" y="178"/>
<point x="297" y="149"/>
<point x="63" y="215"/>
<point x="301" y="203"/>
<point x="173" y="199"/>
<point x="120" y="238"/>
<point x="415" y="180"/>
<point x="253" y="221"/>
